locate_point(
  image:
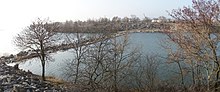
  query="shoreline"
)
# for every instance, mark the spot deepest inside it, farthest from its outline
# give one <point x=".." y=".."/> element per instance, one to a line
<point x="13" y="79"/>
<point x="24" y="55"/>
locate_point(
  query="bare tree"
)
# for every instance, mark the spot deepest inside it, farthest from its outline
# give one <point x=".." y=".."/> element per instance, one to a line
<point x="196" y="33"/>
<point x="98" y="57"/>
<point x="144" y="73"/>
<point x="38" y="37"/>
<point x="79" y="53"/>
<point x="114" y="60"/>
<point x="104" y="64"/>
<point x="120" y="61"/>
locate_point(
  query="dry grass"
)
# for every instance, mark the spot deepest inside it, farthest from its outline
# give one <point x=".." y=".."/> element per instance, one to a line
<point x="55" y="81"/>
<point x="162" y="88"/>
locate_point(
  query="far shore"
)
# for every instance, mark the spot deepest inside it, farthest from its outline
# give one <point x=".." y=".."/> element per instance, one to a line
<point x="24" y="55"/>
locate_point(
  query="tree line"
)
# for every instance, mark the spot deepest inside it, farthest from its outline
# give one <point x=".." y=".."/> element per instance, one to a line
<point x="113" y="25"/>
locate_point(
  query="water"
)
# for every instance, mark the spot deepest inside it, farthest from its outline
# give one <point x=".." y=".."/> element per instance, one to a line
<point x="148" y="43"/>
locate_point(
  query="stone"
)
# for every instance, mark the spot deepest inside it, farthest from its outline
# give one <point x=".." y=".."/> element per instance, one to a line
<point x="18" y="88"/>
<point x="16" y="80"/>
<point x="25" y="83"/>
<point x="16" y="67"/>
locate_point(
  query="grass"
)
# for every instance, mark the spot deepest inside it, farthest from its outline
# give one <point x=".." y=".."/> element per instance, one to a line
<point x="55" y="81"/>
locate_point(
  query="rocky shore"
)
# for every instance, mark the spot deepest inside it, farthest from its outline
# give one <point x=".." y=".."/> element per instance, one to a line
<point x="13" y="79"/>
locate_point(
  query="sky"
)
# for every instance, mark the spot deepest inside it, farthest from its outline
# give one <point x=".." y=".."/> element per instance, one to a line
<point x="16" y="15"/>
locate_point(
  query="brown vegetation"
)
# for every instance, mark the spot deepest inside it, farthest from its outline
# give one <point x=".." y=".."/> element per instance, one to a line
<point x="196" y="35"/>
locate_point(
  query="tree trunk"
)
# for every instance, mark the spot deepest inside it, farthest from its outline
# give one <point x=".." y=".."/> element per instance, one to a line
<point x="193" y="75"/>
<point x="77" y="71"/>
<point x="115" y="81"/>
<point x="217" y="75"/>
<point x="42" y="53"/>
<point x="43" y="70"/>
<point x="181" y="72"/>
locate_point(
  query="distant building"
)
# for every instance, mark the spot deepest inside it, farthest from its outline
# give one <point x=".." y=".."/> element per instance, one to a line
<point x="159" y="19"/>
<point x="156" y="20"/>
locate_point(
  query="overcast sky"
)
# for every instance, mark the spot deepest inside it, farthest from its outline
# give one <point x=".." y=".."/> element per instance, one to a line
<point x="15" y="15"/>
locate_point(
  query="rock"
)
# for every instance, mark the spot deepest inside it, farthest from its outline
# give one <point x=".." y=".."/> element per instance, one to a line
<point x="16" y="67"/>
<point x="18" y="88"/>
<point x="9" y="79"/>
<point x="25" y="83"/>
<point x="13" y="79"/>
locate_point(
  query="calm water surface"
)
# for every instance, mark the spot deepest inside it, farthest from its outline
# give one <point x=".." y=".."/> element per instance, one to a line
<point x="149" y="43"/>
